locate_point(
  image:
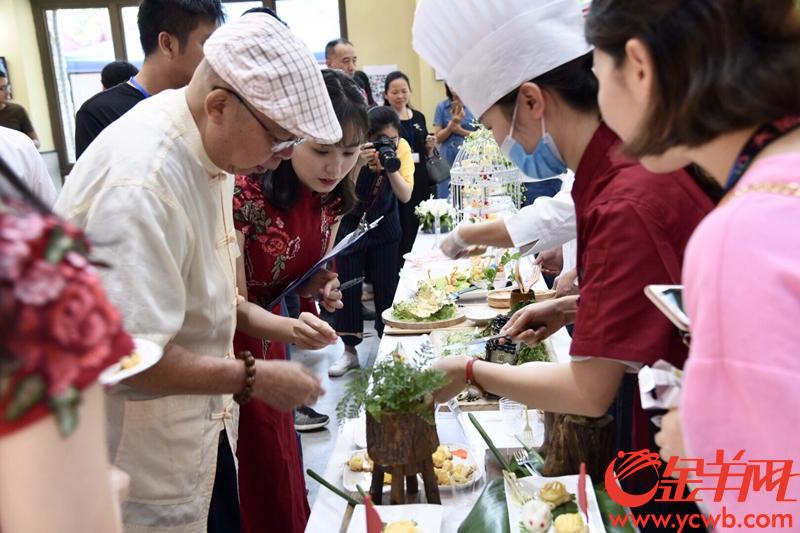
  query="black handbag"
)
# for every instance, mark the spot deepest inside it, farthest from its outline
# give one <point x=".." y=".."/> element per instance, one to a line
<point x="437" y="167"/>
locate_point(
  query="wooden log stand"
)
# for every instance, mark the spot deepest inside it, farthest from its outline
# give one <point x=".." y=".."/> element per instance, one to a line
<point x="402" y="445"/>
<point x="571" y="440"/>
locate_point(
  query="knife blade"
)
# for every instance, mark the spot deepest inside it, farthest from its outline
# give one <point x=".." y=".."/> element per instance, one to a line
<point x="351" y="283"/>
<point x="473" y="342"/>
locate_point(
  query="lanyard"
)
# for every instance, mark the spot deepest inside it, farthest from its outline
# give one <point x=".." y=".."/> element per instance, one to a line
<point x="761" y="138"/>
<point x="138" y="86"/>
<point x="373" y="193"/>
<point x="409" y="132"/>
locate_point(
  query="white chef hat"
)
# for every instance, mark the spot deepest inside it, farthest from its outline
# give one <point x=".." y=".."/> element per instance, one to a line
<point x="270" y="67"/>
<point x="487" y="48"/>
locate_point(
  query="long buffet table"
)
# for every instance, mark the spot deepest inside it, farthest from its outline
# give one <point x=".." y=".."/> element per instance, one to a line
<point x="328" y="510"/>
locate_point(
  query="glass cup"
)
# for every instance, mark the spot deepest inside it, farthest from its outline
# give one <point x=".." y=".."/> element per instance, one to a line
<point x="513" y="415"/>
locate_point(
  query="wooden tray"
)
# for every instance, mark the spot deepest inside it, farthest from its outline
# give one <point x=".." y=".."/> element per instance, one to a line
<point x="403" y="327"/>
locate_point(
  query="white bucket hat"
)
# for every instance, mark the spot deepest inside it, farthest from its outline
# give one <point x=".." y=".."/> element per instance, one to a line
<point x="271" y="68"/>
<point x="487" y="48"/>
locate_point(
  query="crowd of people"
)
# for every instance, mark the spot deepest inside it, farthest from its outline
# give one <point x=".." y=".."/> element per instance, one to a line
<point x="661" y="145"/>
<point x="681" y="130"/>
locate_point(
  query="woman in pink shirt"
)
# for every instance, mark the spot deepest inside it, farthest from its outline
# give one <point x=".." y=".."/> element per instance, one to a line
<point x="717" y="83"/>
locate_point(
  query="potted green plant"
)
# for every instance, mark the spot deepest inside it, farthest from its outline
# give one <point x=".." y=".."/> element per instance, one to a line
<point x="397" y="396"/>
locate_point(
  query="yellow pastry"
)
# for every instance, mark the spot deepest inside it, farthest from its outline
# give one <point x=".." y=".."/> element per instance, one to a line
<point x="554" y="493"/>
<point x="130" y="361"/>
<point x="356" y="462"/>
<point x="404" y="526"/>
<point x="570" y="523"/>
<point x="461" y="473"/>
<point x="445" y="450"/>
<point x="438" y="458"/>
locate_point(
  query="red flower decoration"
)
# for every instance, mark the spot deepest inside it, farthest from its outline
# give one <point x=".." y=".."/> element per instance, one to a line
<point x="64" y="328"/>
<point x="40" y="284"/>
<point x="276" y="241"/>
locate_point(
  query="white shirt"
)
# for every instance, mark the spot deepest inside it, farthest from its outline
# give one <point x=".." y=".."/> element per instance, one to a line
<point x="18" y="150"/>
<point x="160" y="213"/>
<point x="547" y="223"/>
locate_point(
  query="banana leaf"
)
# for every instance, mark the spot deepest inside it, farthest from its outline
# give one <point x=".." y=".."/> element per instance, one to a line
<point x="491" y="514"/>
<point x="608" y="506"/>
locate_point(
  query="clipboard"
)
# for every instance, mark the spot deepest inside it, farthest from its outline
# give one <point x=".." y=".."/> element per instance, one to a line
<point x="347" y="242"/>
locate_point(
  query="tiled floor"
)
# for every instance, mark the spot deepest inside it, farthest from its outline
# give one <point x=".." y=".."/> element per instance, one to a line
<point x="318" y="445"/>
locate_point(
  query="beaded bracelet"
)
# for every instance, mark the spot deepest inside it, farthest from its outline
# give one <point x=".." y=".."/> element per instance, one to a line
<point x="250" y="377"/>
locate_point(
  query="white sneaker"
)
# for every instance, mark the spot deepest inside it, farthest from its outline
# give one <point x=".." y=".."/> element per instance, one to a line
<point x="347" y="362"/>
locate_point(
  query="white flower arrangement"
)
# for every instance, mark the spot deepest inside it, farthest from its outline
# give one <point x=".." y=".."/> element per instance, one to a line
<point x="428" y="210"/>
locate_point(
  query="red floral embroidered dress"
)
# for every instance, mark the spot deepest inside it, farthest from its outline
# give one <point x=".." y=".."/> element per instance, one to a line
<point x="58" y="330"/>
<point x="279" y="247"/>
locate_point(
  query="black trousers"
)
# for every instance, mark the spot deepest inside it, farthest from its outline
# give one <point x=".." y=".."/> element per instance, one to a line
<point x="223" y="514"/>
<point x="378" y="259"/>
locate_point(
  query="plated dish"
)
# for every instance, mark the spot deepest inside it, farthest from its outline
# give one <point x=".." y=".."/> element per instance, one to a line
<point x="145" y="354"/>
<point x="552" y="507"/>
<point x="415" y="518"/>
<point x="453" y="465"/>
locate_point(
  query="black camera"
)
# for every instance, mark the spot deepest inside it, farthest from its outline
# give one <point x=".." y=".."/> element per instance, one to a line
<point x="386" y="153"/>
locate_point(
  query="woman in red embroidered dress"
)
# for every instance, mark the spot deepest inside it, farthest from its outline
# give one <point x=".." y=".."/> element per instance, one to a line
<point x="58" y="331"/>
<point x="286" y="222"/>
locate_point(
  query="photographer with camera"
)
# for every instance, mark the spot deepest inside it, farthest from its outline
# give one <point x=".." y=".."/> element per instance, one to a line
<point x="387" y="175"/>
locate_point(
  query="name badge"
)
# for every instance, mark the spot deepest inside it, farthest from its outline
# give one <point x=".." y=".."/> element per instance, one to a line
<point x="415" y="157"/>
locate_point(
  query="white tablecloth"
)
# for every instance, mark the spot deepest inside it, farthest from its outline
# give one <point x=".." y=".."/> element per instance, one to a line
<point x="328" y="509"/>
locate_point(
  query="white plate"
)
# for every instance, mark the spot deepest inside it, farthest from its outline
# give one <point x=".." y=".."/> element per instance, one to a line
<point x="476" y="295"/>
<point x="495" y="425"/>
<point x="428" y="517"/>
<point x="149" y="354"/>
<point x="350" y="479"/>
<point x="425" y="256"/>
<point x="532" y="484"/>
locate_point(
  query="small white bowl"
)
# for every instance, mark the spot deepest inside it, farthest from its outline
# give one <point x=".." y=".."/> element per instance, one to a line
<point x="480" y="315"/>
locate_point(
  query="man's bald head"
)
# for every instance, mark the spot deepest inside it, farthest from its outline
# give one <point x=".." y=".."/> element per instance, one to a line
<point x="341" y="54"/>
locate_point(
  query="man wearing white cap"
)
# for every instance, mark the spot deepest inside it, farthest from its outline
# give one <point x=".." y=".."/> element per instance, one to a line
<point x="154" y="191"/>
<point x="524" y="68"/>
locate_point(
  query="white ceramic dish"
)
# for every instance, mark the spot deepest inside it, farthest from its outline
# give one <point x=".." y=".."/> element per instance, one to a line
<point x="425" y="256"/>
<point x="480" y="315"/>
<point x="428" y="517"/>
<point x="149" y="354"/>
<point x="351" y="480"/>
<point x="531" y="485"/>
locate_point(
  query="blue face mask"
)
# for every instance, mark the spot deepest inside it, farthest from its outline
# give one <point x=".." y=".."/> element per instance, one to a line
<point x="545" y="162"/>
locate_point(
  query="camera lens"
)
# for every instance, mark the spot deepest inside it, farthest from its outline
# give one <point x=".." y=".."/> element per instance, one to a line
<point x="387" y="154"/>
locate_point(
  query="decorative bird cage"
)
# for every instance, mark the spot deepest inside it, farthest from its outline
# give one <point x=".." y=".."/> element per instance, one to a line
<point x="484" y="184"/>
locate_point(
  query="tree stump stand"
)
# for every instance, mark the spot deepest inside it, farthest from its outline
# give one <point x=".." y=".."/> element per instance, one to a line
<point x="402" y="445"/>
<point x="570" y="440"/>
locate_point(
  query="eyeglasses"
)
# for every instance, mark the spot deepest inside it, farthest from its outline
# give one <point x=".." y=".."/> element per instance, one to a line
<point x="277" y="144"/>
